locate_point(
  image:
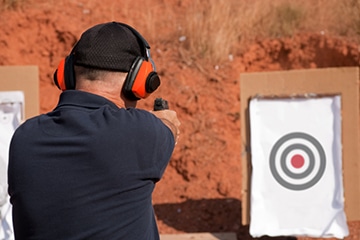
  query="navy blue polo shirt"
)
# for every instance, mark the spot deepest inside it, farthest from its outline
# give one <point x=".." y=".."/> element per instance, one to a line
<point x="87" y="170"/>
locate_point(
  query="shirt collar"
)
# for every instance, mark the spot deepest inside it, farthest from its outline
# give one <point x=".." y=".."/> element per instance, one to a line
<point x="83" y="99"/>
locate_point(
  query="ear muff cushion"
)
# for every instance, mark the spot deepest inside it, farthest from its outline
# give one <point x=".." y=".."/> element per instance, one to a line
<point x="69" y="72"/>
<point x="130" y="79"/>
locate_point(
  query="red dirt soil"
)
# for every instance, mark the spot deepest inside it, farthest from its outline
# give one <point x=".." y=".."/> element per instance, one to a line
<point x="201" y="189"/>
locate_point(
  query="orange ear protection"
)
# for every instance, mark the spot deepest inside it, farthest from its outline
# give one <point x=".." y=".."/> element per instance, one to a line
<point x="140" y="82"/>
<point x="142" y="78"/>
<point x="64" y="76"/>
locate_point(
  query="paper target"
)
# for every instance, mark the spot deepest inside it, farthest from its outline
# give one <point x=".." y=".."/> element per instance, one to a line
<point x="297" y="161"/>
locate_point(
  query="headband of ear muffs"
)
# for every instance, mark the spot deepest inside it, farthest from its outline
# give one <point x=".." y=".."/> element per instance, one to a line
<point x="140" y="81"/>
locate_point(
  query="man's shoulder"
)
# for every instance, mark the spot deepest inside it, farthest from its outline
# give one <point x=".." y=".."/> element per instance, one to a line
<point x="140" y="113"/>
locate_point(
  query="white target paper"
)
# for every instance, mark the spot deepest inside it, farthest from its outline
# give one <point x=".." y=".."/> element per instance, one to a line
<point x="11" y="114"/>
<point x="296" y="182"/>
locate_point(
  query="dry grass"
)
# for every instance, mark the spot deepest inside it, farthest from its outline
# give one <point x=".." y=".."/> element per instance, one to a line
<point x="10" y="4"/>
<point x="211" y="29"/>
<point x="346" y="21"/>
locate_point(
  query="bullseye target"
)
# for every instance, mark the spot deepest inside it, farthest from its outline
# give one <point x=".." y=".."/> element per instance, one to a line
<point x="297" y="161"/>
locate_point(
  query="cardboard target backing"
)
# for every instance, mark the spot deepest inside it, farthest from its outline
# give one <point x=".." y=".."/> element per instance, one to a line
<point x="328" y="81"/>
<point x="25" y="79"/>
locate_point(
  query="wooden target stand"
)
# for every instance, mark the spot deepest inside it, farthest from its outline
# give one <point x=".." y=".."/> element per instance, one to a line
<point x="328" y="81"/>
<point x="25" y="79"/>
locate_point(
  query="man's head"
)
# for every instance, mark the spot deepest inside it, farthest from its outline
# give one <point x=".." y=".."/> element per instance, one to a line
<point x="115" y="47"/>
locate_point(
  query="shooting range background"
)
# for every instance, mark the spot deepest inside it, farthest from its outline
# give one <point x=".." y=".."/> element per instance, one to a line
<point x="201" y="189"/>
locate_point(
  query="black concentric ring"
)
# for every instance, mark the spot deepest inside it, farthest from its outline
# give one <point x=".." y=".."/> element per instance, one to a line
<point x="307" y="150"/>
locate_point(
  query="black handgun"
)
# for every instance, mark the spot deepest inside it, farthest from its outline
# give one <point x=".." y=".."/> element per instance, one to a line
<point x="160" y="104"/>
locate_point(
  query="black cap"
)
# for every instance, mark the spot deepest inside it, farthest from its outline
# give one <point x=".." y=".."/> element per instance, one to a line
<point x="108" y="46"/>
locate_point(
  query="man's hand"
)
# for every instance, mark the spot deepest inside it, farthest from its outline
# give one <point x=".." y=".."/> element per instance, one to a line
<point x="170" y="119"/>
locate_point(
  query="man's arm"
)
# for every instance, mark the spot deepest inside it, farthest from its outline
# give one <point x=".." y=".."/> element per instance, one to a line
<point x="170" y="119"/>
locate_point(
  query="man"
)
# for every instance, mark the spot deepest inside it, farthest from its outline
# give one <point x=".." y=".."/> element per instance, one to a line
<point x="87" y="169"/>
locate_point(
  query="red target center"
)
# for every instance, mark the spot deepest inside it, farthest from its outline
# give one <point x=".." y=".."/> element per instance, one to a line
<point x="297" y="161"/>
